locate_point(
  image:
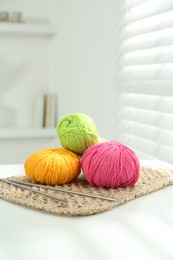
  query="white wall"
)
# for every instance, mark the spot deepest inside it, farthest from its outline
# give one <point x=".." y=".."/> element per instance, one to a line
<point x="84" y="70"/>
<point x="24" y="66"/>
<point x="24" y="78"/>
<point x="81" y="69"/>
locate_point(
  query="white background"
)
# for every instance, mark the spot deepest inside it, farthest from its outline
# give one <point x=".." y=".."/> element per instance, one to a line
<point x="77" y="64"/>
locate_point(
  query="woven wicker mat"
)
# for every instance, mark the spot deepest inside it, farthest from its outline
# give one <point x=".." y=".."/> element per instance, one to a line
<point x="150" y="180"/>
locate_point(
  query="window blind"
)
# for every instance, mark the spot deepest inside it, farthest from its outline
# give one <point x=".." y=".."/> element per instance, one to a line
<point x="144" y="77"/>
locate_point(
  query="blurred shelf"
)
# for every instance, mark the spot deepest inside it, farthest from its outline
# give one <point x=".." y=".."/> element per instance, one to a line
<point x="27" y="29"/>
<point x="19" y="133"/>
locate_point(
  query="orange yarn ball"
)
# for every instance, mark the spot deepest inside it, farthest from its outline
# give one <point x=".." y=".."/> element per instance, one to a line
<point x="52" y="166"/>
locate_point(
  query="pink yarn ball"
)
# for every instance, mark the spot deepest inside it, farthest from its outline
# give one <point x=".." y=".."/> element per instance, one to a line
<point x="110" y="165"/>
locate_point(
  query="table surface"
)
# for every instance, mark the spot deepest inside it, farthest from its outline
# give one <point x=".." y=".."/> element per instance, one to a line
<point x="140" y="229"/>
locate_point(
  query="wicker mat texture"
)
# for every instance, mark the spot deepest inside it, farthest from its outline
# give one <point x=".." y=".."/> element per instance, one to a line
<point x="150" y="180"/>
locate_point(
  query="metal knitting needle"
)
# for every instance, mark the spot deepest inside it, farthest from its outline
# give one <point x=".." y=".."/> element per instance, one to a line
<point x="30" y="189"/>
<point x="68" y="191"/>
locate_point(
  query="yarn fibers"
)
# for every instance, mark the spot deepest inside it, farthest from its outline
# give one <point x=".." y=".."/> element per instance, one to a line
<point x="77" y="132"/>
<point x="110" y="165"/>
<point x="52" y="166"/>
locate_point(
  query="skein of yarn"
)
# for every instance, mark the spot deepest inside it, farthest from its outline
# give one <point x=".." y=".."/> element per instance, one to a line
<point x="77" y="132"/>
<point x="52" y="166"/>
<point x="111" y="165"/>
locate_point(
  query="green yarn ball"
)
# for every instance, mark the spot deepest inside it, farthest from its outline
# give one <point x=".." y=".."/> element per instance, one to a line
<point x="77" y="132"/>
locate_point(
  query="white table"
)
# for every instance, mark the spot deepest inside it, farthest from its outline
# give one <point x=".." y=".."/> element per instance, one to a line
<point x="140" y="229"/>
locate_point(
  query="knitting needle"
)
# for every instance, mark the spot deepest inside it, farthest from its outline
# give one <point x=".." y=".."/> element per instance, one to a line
<point x="27" y="188"/>
<point x="68" y="191"/>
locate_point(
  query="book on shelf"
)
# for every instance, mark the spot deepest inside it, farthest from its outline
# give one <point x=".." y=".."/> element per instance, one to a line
<point x="49" y="110"/>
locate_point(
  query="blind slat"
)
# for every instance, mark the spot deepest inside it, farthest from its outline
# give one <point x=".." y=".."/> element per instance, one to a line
<point x="151" y="56"/>
<point x="150" y="24"/>
<point x="147" y="87"/>
<point x="155" y="149"/>
<point x="160" y="38"/>
<point x="148" y="132"/>
<point x="147" y="117"/>
<point x="152" y="103"/>
<point x="147" y="72"/>
<point x="134" y="3"/>
<point x="149" y="9"/>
